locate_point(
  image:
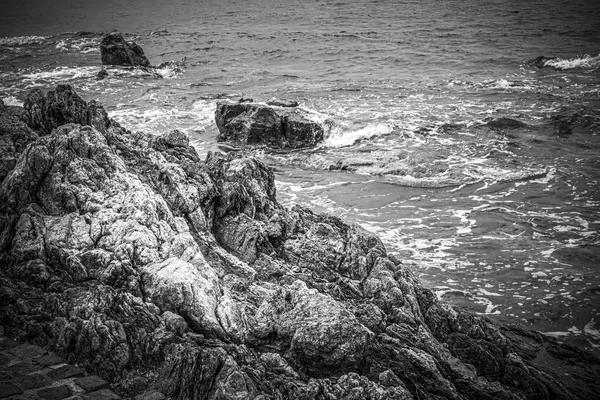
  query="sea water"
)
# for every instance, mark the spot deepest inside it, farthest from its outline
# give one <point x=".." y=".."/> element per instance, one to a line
<point x="474" y="165"/>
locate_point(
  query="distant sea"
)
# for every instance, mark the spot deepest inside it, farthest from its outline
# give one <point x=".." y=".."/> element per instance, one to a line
<point x="476" y="165"/>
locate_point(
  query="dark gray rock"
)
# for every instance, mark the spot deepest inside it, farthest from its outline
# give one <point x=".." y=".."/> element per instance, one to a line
<point x="246" y="123"/>
<point x="115" y="50"/>
<point x="102" y="74"/>
<point x="8" y="389"/>
<point x="66" y="371"/>
<point x="91" y="383"/>
<point x="104" y="394"/>
<point x="506" y="123"/>
<point x="55" y="392"/>
<point x="541" y="61"/>
<point x="282" y="103"/>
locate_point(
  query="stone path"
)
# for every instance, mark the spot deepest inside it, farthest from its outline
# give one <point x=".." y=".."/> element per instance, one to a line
<point x="29" y="372"/>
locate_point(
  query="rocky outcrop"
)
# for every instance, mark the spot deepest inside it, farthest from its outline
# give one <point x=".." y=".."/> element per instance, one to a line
<point x="157" y="270"/>
<point x="279" y="126"/>
<point x="115" y="50"/>
<point x="62" y="106"/>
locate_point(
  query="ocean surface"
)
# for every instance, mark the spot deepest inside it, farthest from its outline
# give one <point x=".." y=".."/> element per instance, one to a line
<point x="475" y="165"/>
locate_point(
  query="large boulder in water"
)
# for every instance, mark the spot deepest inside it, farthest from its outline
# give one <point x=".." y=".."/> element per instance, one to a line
<point x="115" y="50"/>
<point x="247" y="123"/>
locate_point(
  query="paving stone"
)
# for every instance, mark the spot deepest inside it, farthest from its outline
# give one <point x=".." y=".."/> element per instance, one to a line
<point x="8" y="343"/>
<point x="55" y="393"/>
<point x="48" y="359"/>
<point x="9" y="389"/>
<point x="66" y="371"/>
<point x="22" y="368"/>
<point x="104" y="394"/>
<point x="33" y="381"/>
<point x="91" y="383"/>
<point x="27" y="351"/>
<point x="150" y="395"/>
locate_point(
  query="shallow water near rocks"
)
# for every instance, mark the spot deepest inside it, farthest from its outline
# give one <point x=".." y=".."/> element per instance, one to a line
<point x="473" y="165"/>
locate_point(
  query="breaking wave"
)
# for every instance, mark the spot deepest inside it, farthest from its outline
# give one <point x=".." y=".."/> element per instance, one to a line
<point x="22" y="40"/>
<point x="583" y="62"/>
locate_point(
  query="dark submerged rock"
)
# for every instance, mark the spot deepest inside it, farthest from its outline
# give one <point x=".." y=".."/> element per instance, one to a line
<point x="115" y="50"/>
<point x="506" y="123"/>
<point x="247" y="123"/>
<point x="541" y="61"/>
<point x="102" y="74"/>
<point x="282" y="103"/>
<point x="155" y="269"/>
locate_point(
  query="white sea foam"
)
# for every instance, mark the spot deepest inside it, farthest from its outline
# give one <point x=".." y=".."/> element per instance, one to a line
<point x="341" y="138"/>
<point x="59" y="74"/>
<point x="583" y="62"/>
<point x="22" y="40"/>
<point x="157" y="120"/>
<point x="487" y="293"/>
<point x="12" y="101"/>
<point x="506" y="84"/>
<point x="82" y="45"/>
<point x="490" y="308"/>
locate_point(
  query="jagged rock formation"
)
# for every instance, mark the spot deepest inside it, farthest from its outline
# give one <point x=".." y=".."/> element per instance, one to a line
<point x="153" y="268"/>
<point x="115" y="50"/>
<point x="281" y="125"/>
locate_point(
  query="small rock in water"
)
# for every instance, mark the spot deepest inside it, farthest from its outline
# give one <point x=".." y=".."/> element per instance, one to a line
<point x="283" y="103"/>
<point x="102" y="74"/>
<point x="506" y="123"/>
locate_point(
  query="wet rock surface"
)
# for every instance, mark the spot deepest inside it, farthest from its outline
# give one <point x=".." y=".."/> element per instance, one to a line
<point x="279" y="125"/>
<point x="166" y="274"/>
<point x="115" y="50"/>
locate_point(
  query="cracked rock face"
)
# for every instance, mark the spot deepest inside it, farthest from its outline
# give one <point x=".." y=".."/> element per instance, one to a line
<point x="130" y="255"/>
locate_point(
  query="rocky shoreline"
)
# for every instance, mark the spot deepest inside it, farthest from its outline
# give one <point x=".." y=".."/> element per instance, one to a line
<point x="129" y="255"/>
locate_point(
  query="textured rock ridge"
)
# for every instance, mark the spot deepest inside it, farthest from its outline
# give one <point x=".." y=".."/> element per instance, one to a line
<point x="278" y="125"/>
<point x="150" y="267"/>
